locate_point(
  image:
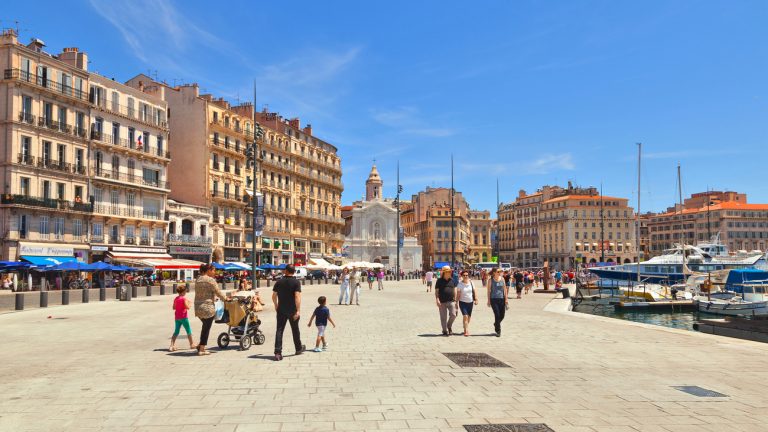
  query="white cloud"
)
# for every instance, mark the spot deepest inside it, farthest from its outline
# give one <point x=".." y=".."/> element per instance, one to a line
<point x="408" y="120"/>
<point x="551" y="162"/>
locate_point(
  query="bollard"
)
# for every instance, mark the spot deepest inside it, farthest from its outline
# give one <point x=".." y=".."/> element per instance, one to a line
<point x="117" y="291"/>
<point x="162" y="289"/>
<point x="102" y="294"/>
<point x="149" y="290"/>
<point x="85" y="295"/>
<point x="19" y="301"/>
<point x="43" y="299"/>
<point x="237" y="285"/>
<point x="134" y="291"/>
<point x="326" y="281"/>
<point x="129" y="290"/>
<point x="65" y="297"/>
<point x="258" y="283"/>
<point x="188" y="286"/>
<point x="311" y="281"/>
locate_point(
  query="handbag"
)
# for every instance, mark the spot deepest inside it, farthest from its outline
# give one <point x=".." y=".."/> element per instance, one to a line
<point x="219" y="309"/>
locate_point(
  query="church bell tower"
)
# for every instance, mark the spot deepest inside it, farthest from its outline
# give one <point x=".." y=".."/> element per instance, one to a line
<point x="373" y="185"/>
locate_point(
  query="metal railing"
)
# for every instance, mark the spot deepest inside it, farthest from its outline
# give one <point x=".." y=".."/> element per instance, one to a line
<point x="116" y="210"/>
<point x="131" y="113"/>
<point x="50" y="203"/>
<point x="45" y="83"/>
<point x="131" y="178"/>
<point x="127" y="144"/>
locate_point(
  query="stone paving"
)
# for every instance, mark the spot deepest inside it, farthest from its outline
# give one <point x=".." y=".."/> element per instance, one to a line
<point x="105" y="366"/>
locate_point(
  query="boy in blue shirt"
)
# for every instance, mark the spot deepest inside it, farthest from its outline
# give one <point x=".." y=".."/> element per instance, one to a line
<point x="321" y="315"/>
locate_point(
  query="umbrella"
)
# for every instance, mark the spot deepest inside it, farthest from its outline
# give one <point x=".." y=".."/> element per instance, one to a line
<point x="268" y="266"/>
<point x="102" y="266"/>
<point x="119" y="268"/>
<point x="227" y="267"/>
<point x="71" y="266"/>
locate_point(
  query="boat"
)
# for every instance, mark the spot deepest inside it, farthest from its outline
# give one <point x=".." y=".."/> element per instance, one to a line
<point x="736" y="305"/>
<point x="667" y="268"/>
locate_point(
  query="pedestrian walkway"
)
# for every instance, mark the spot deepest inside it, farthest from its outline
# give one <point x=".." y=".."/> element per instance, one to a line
<point x="105" y="367"/>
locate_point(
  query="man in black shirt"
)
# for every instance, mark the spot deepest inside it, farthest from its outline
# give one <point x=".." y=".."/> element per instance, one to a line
<point x="445" y="292"/>
<point x="286" y="296"/>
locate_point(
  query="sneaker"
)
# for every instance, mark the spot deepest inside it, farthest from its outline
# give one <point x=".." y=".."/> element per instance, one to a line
<point x="325" y="347"/>
<point x="301" y="351"/>
<point x="317" y="349"/>
<point x="278" y="356"/>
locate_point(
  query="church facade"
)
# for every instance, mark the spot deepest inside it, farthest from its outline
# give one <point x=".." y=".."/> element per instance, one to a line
<point x="373" y="233"/>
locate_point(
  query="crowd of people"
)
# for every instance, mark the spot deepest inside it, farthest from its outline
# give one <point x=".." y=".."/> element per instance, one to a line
<point x="454" y="292"/>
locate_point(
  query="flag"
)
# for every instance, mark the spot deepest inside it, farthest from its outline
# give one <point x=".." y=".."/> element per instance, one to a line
<point x="139" y="144"/>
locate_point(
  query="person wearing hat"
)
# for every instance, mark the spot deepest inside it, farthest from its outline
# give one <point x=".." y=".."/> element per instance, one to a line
<point x="445" y="293"/>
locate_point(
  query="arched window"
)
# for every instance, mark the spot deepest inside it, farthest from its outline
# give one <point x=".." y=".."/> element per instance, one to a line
<point x="376" y="231"/>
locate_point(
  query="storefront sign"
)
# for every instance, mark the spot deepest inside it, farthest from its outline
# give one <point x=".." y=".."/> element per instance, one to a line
<point x="189" y="250"/>
<point x="137" y="249"/>
<point x="37" y="249"/>
<point x="99" y="248"/>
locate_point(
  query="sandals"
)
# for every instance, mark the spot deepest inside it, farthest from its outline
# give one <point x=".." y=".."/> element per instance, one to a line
<point x="172" y="349"/>
<point x="203" y="353"/>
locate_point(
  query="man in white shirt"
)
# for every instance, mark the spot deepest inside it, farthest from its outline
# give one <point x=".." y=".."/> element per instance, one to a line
<point x="428" y="277"/>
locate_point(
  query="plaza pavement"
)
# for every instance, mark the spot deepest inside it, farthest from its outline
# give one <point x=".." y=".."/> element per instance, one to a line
<point x="104" y="367"/>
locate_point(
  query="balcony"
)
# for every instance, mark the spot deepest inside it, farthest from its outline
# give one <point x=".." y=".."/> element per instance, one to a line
<point x="131" y="178"/>
<point x="230" y="148"/>
<point x="144" y="241"/>
<point x="189" y="239"/>
<point x="131" y="113"/>
<point x="49" y="125"/>
<point x="127" y="212"/>
<point x="278" y="164"/>
<point x="42" y="83"/>
<point x="125" y="144"/>
<point x="47" y="203"/>
<point x="130" y="240"/>
<point x="230" y="127"/>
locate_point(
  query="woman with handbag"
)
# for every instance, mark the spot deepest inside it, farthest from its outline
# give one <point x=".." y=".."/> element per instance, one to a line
<point x="206" y="291"/>
<point x="465" y="292"/>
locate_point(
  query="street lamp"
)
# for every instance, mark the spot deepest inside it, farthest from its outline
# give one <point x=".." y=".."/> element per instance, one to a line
<point x="257" y="200"/>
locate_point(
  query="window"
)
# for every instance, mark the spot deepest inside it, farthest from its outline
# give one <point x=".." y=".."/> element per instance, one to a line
<point x="115" y="233"/>
<point x="131" y="166"/>
<point x="115" y="166"/>
<point x="47" y="152"/>
<point x="226" y="190"/>
<point x="131" y="107"/>
<point x="215" y="160"/>
<point x="160" y="151"/>
<point x="99" y="160"/>
<point x="78" y="193"/>
<point x="159" y="233"/>
<point x="146" y="141"/>
<point x="60" y="191"/>
<point x="62" y="117"/>
<point x="130" y="199"/>
<point x="145" y="233"/>
<point x="26" y="149"/>
<point x="77" y="228"/>
<point x="23" y="226"/>
<point x="131" y="137"/>
<point x="215" y="188"/>
<point x="115" y="101"/>
<point x="46" y="189"/>
<point x="79" y="154"/>
<point x="151" y="176"/>
<point x="114" y="198"/>
<point x="115" y="133"/>
<point x="44" y="231"/>
<point x="58" y="228"/>
<point x="98" y="195"/>
<point x="130" y="232"/>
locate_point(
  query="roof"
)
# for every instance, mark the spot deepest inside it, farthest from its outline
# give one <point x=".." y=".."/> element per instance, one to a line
<point x="729" y="205"/>
<point x="582" y="197"/>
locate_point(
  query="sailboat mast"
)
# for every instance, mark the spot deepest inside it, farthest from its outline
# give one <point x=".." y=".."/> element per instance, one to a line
<point x="680" y="203"/>
<point x="637" y="213"/>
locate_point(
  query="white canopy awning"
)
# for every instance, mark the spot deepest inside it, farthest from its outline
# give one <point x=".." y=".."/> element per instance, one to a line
<point x="318" y="264"/>
<point x="171" y="264"/>
<point x="138" y="255"/>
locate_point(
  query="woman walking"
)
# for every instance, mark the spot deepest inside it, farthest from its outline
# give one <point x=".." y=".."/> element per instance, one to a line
<point x="371" y="276"/>
<point x="497" y="299"/>
<point x="206" y="291"/>
<point x="465" y="292"/>
<point x="380" y="277"/>
<point x="344" y="287"/>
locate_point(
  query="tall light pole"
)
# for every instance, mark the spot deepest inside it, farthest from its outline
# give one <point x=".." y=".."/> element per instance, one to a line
<point x="602" y="227"/>
<point x="257" y="200"/>
<point x="399" y="233"/>
<point x="453" y="227"/>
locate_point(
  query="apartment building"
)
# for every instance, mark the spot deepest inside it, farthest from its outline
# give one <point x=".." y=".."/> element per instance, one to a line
<point x="739" y="224"/>
<point x="44" y="211"/>
<point x="428" y="218"/>
<point x="480" y="246"/>
<point x="128" y="163"/>
<point x="301" y="183"/>
<point x="579" y="226"/>
<point x="519" y="229"/>
<point x="188" y="231"/>
<point x="208" y="169"/>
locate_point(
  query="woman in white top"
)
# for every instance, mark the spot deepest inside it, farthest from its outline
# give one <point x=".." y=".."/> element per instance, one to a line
<point x="465" y="293"/>
<point x="344" y="287"/>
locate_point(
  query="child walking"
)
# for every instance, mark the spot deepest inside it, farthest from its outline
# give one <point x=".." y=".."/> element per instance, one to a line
<point x="181" y="305"/>
<point x="321" y="315"/>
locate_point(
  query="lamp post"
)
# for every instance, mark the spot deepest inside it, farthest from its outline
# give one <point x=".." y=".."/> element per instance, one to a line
<point x="257" y="203"/>
<point x="397" y="206"/>
<point x="453" y="226"/>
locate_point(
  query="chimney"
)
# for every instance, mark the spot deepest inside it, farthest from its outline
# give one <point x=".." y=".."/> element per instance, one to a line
<point x="9" y="37"/>
<point x="308" y="129"/>
<point x="141" y="86"/>
<point x="36" y="44"/>
<point x="295" y="123"/>
<point x="74" y="58"/>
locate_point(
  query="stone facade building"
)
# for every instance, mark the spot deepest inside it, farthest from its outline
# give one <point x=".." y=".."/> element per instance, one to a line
<point x="586" y="228"/>
<point x="480" y="246"/>
<point x="189" y="231"/>
<point x="373" y="232"/>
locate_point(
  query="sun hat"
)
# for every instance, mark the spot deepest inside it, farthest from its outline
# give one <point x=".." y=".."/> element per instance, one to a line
<point x="445" y="268"/>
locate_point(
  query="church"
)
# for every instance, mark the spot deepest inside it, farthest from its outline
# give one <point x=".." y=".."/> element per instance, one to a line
<point x="371" y="233"/>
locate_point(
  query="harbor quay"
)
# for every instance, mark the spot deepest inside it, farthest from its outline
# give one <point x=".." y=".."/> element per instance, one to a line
<point x="105" y="366"/>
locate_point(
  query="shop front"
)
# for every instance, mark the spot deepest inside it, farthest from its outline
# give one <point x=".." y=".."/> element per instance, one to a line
<point x="194" y="253"/>
<point x="162" y="263"/>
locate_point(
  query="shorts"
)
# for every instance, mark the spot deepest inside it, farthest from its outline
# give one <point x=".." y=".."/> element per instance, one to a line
<point x="519" y="286"/>
<point x="466" y="308"/>
<point x="320" y="331"/>
<point x="429" y="284"/>
<point x="182" y="322"/>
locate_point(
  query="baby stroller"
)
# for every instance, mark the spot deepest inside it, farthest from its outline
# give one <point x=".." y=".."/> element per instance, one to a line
<point x="243" y="324"/>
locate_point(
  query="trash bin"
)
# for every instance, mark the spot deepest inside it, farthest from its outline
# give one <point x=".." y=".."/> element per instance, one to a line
<point x="43" y="299"/>
<point x="125" y="292"/>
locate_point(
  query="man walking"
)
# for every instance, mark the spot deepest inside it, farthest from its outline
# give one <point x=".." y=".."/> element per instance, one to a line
<point x="428" y="278"/>
<point x="354" y="285"/>
<point x="286" y="296"/>
<point x="445" y="293"/>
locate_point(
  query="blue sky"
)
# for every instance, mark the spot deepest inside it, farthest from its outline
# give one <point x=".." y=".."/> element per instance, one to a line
<point x="530" y="92"/>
